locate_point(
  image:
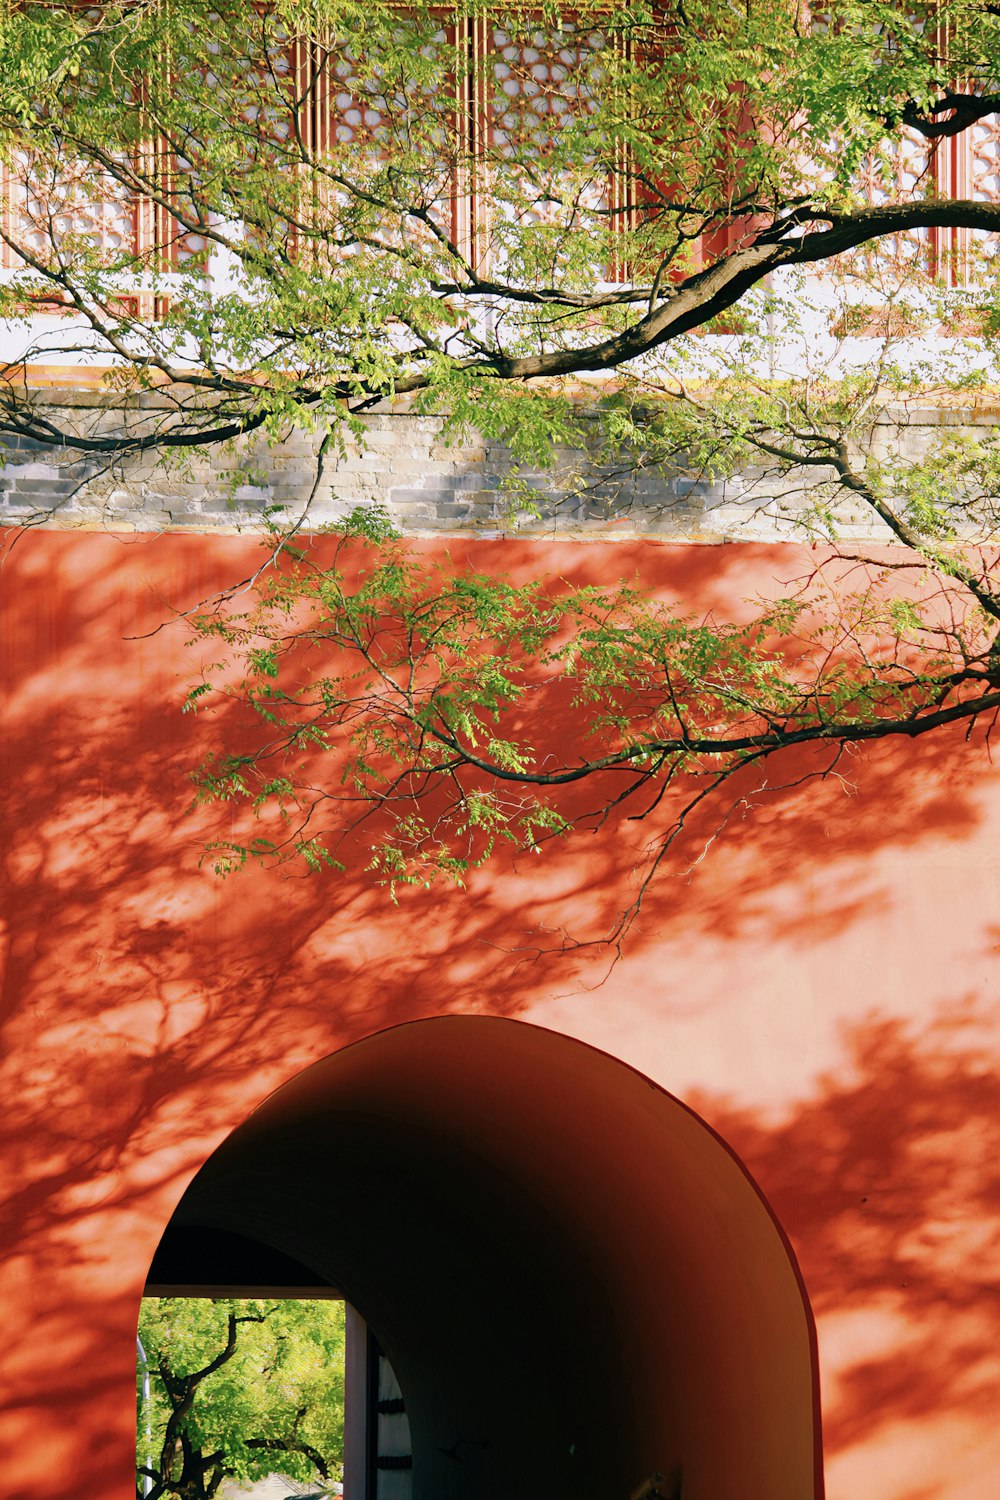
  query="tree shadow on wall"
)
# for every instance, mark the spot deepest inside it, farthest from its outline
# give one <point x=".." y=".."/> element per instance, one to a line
<point x="147" y="993"/>
<point x="102" y="859"/>
<point x="887" y="1182"/>
<point x="147" y="1007"/>
<point x="788" y="853"/>
<point x="792" y="823"/>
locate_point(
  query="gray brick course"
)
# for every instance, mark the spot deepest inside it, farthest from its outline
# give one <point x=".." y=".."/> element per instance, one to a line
<point x="427" y="485"/>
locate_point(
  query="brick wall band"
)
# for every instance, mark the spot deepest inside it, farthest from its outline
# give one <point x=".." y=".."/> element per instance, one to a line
<point x="429" y="485"/>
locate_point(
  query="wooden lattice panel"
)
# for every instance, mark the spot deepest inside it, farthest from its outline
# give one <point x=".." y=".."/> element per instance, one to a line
<point x="346" y="112"/>
<point x="913" y="172"/>
<point x="259" y="93"/>
<point x="537" y="81"/>
<point x="356" y="122"/>
<point x="533" y="83"/>
<point x="514" y="92"/>
<point x="49" y="207"/>
<point x="984" y="160"/>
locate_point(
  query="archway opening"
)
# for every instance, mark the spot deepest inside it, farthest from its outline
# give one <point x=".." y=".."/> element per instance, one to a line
<point x="575" y="1281"/>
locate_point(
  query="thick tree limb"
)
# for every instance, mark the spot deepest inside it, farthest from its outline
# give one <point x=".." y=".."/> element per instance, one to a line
<point x="689" y="305"/>
<point x="949" y="115"/>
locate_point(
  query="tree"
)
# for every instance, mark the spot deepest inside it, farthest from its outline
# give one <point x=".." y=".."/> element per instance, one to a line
<point x="238" y="1389"/>
<point x="500" y="204"/>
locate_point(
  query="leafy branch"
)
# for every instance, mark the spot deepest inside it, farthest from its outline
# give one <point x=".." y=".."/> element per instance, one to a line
<point x="442" y="716"/>
<point x="348" y="277"/>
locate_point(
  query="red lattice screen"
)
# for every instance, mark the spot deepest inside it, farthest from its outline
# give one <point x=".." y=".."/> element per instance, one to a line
<point x="525" y="87"/>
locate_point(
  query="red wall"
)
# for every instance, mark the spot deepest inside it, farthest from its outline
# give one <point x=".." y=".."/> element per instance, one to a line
<point x="820" y="987"/>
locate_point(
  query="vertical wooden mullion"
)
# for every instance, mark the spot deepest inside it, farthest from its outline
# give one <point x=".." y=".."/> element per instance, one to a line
<point x="300" y="50"/>
<point x="621" y="197"/>
<point x="938" y="161"/>
<point x="158" y="232"/>
<point x="460" y="188"/>
<point x="957" y="185"/>
<point x="307" y="106"/>
<point x="315" y="116"/>
<point x="477" y="138"/>
<point x="322" y="104"/>
<point x="8" y="186"/>
<point x="957" y="182"/>
<point x="6" y="217"/>
<point x="168" y="229"/>
<point x="142" y="209"/>
<point x="950" y="245"/>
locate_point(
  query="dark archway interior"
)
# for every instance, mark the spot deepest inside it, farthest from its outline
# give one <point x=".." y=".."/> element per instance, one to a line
<point x="575" y="1282"/>
<point x="191" y="1255"/>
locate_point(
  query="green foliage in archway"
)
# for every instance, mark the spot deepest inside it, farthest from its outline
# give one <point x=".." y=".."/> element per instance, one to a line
<point x="238" y="1389"/>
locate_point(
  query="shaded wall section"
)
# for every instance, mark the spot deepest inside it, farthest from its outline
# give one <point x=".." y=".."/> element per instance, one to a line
<point x="815" y="972"/>
<point x="575" y="1281"/>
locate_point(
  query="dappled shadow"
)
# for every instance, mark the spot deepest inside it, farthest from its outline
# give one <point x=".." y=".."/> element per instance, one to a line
<point x="165" y="978"/>
<point x="811" y="814"/>
<point x="887" y="1180"/>
<point x="147" y="1007"/>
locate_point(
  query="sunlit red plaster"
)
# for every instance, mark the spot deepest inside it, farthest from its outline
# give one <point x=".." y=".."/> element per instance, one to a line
<point x="820" y="987"/>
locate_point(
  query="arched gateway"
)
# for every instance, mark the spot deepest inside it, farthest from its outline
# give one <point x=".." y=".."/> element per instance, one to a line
<point x="576" y="1282"/>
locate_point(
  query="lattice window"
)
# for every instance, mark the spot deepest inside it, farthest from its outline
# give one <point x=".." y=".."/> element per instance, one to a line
<point x="340" y="108"/>
<point x="912" y="170"/>
<point x="963" y="166"/>
<point x="507" y="89"/>
<point x="515" y="92"/>
<point x="358" y="119"/>
<point x="258" y="94"/>
<point x="48" y="208"/>
<point x="976" y="175"/>
<point x="50" y="205"/>
<point x="538" y="81"/>
<point x="533" y="84"/>
<point x="984" y="160"/>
